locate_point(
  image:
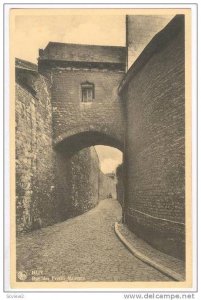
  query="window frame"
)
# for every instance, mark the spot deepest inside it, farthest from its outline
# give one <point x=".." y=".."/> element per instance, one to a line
<point x="86" y="87"/>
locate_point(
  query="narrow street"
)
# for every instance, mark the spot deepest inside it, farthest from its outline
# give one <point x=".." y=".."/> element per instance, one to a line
<point x="84" y="248"/>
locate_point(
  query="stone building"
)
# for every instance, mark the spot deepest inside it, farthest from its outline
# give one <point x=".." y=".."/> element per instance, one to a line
<point x="80" y="96"/>
<point x="65" y="106"/>
<point x="153" y="91"/>
<point x="84" y="86"/>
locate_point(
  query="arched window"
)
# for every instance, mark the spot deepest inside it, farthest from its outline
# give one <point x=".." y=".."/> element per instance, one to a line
<point x="88" y="93"/>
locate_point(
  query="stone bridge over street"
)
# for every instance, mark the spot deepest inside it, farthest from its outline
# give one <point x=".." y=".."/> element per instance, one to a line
<point x="84" y="85"/>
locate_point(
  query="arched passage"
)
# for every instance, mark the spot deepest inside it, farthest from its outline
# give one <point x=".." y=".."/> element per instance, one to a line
<point x="78" y="141"/>
<point x="80" y="183"/>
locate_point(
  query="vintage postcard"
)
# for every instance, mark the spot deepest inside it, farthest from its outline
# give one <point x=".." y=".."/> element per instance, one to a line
<point x="100" y="155"/>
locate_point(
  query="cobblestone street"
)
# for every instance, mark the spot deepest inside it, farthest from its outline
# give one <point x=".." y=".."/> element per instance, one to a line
<point x="84" y="248"/>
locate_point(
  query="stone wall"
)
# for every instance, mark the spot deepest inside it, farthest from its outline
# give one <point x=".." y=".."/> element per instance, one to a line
<point x="71" y="116"/>
<point x="107" y="186"/>
<point x="55" y="52"/>
<point x="55" y="181"/>
<point x="77" y="182"/>
<point x="155" y="142"/>
<point x="51" y="184"/>
<point x="80" y="184"/>
<point x="120" y="185"/>
<point x="34" y="154"/>
<point x="68" y="66"/>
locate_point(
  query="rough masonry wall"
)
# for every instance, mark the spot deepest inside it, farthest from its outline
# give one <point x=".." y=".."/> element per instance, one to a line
<point x="71" y="116"/>
<point x="80" y="184"/>
<point x="34" y="155"/>
<point x="51" y="185"/>
<point x="83" y="53"/>
<point x="77" y="182"/>
<point x="107" y="186"/>
<point x="155" y="145"/>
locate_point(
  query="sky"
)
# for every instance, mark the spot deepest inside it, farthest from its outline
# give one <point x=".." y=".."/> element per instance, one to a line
<point x="36" y="31"/>
<point x="109" y="158"/>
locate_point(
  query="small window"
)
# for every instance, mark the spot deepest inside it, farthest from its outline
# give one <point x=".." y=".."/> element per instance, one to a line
<point x="87" y="91"/>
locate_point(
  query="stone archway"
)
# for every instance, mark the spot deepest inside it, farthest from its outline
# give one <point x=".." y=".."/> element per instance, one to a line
<point x="78" y="180"/>
<point x="74" y="141"/>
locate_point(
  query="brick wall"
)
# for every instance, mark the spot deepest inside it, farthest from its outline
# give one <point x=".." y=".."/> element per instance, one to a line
<point x="83" y="53"/>
<point x="102" y="116"/>
<point x="54" y="183"/>
<point x="51" y="185"/>
<point x="155" y="141"/>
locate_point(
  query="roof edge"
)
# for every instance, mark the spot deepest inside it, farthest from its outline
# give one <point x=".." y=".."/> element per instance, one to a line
<point x="90" y="45"/>
<point x="24" y="64"/>
<point x="157" y="43"/>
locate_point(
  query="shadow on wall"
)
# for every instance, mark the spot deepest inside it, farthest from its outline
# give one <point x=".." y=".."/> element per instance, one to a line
<point x="52" y="184"/>
<point x="80" y="184"/>
<point x="107" y="186"/>
<point x="119" y="184"/>
<point x="155" y="141"/>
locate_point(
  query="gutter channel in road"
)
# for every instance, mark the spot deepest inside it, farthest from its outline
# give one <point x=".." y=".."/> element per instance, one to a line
<point x="166" y="271"/>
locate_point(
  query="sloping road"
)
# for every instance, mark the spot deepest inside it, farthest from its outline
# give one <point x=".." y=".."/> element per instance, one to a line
<point x="84" y="248"/>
